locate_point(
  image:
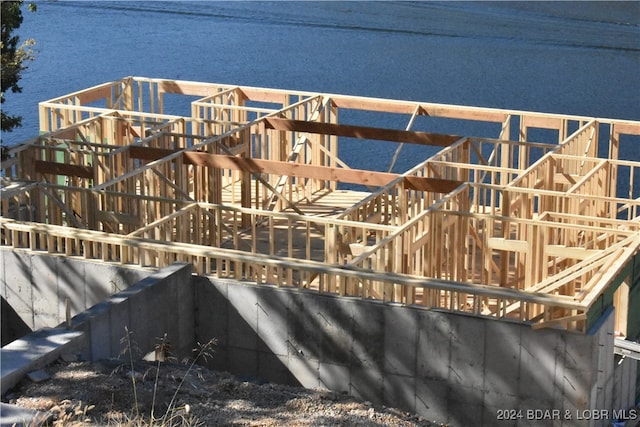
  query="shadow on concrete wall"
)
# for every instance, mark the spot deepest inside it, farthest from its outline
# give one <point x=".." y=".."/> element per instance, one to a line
<point x="239" y="349"/>
<point x="447" y="367"/>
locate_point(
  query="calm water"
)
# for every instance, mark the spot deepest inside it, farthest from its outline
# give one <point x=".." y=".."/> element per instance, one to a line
<point x="577" y="58"/>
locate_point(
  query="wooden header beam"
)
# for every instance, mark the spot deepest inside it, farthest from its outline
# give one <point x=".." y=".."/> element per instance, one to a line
<point x="434" y="185"/>
<point x="352" y="176"/>
<point x="53" y="168"/>
<point x="362" y="132"/>
<point x="149" y="153"/>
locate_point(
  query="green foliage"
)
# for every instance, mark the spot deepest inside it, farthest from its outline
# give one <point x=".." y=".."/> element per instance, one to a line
<point x="15" y="56"/>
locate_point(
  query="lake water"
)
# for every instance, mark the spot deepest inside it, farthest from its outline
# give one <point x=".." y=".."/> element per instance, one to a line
<point x="567" y="57"/>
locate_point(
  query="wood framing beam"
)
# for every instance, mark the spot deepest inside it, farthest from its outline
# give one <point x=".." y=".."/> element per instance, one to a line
<point x="374" y="104"/>
<point x="152" y="154"/>
<point x="182" y="87"/>
<point x="257" y="166"/>
<point x="271" y="96"/>
<point x="627" y="128"/>
<point x="465" y="113"/>
<point x="559" y="321"/>
<point x="352" y="176"/>
<point x="409" y="125"/>
<point x="92" y="94"/>
<point x="148" y="153"/>
<point x="65" y="133"/>
<point x="54" y="168"/>
<point x="541" y="122"/>
<point x="511" y="245"/>
<point x="434" y="185"/>
<point x="293" y="157"/>
<point x="362" y="132"/>
<point x="425" y="109"/>
<point x="563" y="251"/>
<point x="185" y="209"/>
<point x="71" y="214"/>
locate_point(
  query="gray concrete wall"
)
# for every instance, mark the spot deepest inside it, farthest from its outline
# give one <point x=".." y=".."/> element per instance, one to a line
<point x="161" y="303"/>
<point x="624" y="382"/>
<point x="446" y="367"/>
<point x="36" y="286"/>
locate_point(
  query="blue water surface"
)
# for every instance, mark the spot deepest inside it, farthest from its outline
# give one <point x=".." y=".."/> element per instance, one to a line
<point x="567" y="57"/>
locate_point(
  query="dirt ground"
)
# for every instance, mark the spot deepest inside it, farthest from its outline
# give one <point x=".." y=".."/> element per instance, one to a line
<point x="102" y="393"/>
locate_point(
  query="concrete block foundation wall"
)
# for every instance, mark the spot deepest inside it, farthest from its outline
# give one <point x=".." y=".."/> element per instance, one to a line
<point x="37" y="286"/>
<point x="160" y="303"/>
<point x="446" y="367"/>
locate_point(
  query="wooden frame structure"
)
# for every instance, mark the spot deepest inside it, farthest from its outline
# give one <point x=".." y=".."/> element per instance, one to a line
<point x="245" y="186"/>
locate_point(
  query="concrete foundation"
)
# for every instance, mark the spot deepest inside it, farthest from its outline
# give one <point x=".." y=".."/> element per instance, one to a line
<point x="447" y="367"/>
<point x="37" y="286"/>
<point x="159" y="304"/>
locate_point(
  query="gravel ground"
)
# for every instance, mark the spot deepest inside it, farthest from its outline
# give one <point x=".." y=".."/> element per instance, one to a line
<point x="102" y="393"/>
